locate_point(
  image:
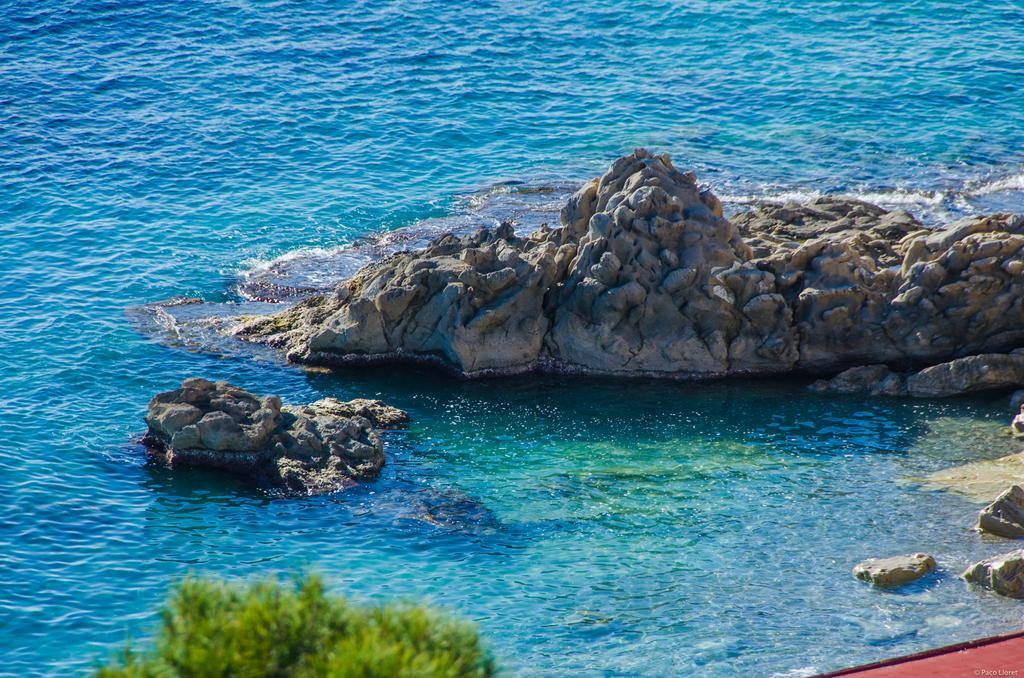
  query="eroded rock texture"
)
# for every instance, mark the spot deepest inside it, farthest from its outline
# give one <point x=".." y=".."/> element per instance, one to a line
<point x="894" y="571"/>
<point x="988" y="371"/>
<point x="309" y="449"/>
<point x="1005" y="515"/>
<point x="644" y="276"/>
<point x="1003" y="574"/>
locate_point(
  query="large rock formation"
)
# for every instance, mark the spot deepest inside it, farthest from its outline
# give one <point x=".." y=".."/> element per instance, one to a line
<point x="644" y="276"/>
<point x="321" y="447"/>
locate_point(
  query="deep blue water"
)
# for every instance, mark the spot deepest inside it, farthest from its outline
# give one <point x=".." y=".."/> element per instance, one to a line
<point x="155" y="149"/>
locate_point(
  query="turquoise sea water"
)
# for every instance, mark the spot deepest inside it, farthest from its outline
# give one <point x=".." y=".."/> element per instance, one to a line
<point x="155" y="149"/>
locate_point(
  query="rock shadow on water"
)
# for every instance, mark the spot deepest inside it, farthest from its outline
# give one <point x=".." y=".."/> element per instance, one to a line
<point x="386" y="506"/>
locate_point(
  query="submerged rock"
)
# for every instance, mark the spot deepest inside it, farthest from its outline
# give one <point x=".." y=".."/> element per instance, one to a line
<point x="979" y="480"/>
<point x="1005" y="516"/>
<point x="311" y="449"/>
<point x="644" y="276"/>
<point x="1003" y="574"/>
<point x="894" y="571"/>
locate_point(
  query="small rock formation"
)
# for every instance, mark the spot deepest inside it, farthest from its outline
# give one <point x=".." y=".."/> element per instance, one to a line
<point x="644" y="276"/>
<point x="1005" y="516"/>
<point x="988" y="371"/>
<point x="1003" y="574"/>
<point x="312" y="449"/>
<point x="873" y="379"/>
<point x="895" y="571"/>
<point x="968" y="375"/>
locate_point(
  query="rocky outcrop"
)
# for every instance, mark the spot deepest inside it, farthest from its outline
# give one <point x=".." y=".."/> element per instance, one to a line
<point x="644" y="276"/>
<point x="985" y="372"/>
<point x="967" y="375"/>
<point x="1005" y="516"/>
<point x="895" y="571"/>
<point x="1003" y="574"/>
<point x="311" y="449"/>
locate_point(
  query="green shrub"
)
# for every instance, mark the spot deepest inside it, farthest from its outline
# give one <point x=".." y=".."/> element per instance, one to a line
<point x="212" y="628"/>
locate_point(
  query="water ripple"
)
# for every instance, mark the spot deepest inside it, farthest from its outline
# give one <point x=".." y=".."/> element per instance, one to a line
<point x="149" y="151"/>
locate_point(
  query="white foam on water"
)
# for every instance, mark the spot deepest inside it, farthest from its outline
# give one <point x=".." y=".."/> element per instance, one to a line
<point x="306" y="269"/>
<point x="261" y="264"/>
<point x="898" y="196"/>
<point x="769" y="196"/>
<point x="1011" y="183"/>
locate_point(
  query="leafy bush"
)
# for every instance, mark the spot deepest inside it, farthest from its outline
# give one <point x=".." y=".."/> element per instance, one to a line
<point x="212" y="628"/>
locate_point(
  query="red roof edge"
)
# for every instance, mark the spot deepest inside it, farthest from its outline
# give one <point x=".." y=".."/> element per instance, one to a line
<point x="935" y="652"/>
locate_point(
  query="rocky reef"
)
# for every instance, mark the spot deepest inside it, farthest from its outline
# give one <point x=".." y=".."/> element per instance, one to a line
<point x="645" y="276"/>
<point x="308" y="449"/>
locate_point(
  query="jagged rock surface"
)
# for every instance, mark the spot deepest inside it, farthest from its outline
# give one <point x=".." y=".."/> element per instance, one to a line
<point x="1005" y="516"/>
<point x="379" y="413"/>
<point x="896" y="570"/>
<point x="309" y="449"/>
<point x="644" y="276"/>
<point x="1003" y="574"/>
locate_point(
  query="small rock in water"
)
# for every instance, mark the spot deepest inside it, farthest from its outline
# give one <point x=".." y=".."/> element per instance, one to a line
<point x="311" y="449"/>
<point x="896" y="570"/>
<point x="1005" y="516"/>
<point x="1003" y="574"/>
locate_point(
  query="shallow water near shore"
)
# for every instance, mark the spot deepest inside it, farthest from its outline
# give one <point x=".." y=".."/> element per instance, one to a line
<point x="229" y="151"/>
<point x="622" y="527"/>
